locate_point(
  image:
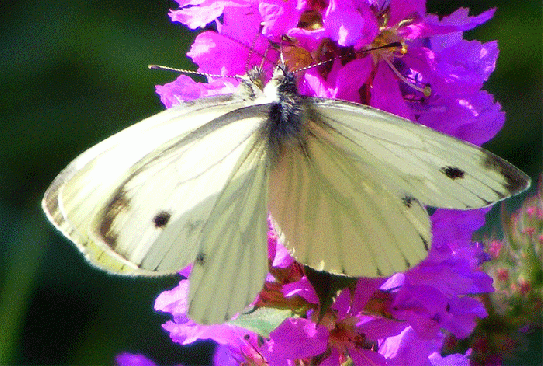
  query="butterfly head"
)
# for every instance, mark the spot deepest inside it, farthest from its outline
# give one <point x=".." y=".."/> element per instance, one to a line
<point x="282" y="84"/>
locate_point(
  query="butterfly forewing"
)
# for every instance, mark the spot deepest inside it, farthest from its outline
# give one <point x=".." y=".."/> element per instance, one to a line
<point x="118" y="200"/>
<point x="417" y="162"/>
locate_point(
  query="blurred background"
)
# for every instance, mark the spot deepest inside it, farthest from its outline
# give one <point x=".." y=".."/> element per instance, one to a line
<point x="74" y="72"/>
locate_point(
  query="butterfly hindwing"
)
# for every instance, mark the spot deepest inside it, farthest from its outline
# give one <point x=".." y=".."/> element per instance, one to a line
<point x="335" y="217"/>
<point x="232" y="263"/>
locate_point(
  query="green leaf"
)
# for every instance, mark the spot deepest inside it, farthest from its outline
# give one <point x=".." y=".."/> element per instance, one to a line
<point x="262" y="321"/>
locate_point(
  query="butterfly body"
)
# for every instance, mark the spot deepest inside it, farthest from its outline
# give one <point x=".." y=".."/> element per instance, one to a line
<point x="345" y="185"/>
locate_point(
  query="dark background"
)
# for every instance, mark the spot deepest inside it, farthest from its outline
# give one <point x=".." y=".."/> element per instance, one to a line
<point x="72" y="73"/>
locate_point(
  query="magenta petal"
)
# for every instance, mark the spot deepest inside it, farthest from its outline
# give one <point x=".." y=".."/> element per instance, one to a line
<point x="298" y="338"/>
<point x="408" y="348"/>
<point x="128" y="359"/>
<point x="282" y="257"/>
<point x="217" y="54"/>
<point x="450" y="26"/>
<point x="185" y="89"/>
<point x="461" y="19"/>
<point x="174" y="301"/>
<point x="343" y="23"/>
<point x="420" y="306"/>
<point x="189" y="332"/>
<point x="342" y="303"/>
<point x="308" y="39"/>
<point x="242" y="23"/>
<point x="182" y="89"/>
<point x="475" y="118"/>
<point x="380" y="328"/>
<point x="333" y="358"/>
<point x="301" y="288"/>
<point x="456" y="359"/>
<point x="401" y="9"/>
<point x="351" y="77"/>
<point x="198" y="16"/>
<point x="456" y="225"/>
<point x="469" y="63"/>
<point x="365" y="288"/>
<point x="451" y="277"/>
<point x="463" y="315"/>
<point x="386" y="93"/>
<point x="313" y="84"/>
<point x="223" y="357"/>
<point x="365" y="357"/>
<point x="278" y="17"/>
<point x="482" y="117"/>
<point x="370" y="27"/>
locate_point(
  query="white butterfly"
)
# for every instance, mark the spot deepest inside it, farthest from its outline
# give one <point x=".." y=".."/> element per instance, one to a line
<point x="345" y="185"/>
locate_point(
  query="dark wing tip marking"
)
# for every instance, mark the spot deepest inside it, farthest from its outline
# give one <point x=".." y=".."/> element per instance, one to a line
<point x="425" y="242"/>
<point x="515" y="180"/>
<point x="452" y="172"/>
<point x="161" y="219"/>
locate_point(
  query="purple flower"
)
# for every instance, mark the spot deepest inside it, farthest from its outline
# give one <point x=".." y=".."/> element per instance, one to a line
<point x="129" y="359"/>
<point x="391" y="55"/>
<point x="331" y="339"/>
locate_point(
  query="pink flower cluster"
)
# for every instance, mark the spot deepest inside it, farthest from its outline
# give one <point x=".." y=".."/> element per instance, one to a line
<point x="391" y="55"/>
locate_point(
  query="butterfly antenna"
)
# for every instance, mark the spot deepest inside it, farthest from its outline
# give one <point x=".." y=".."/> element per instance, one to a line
<point x="190" y="72"/>
<point x="426" y="90"/>
<point x="251" y="51"/>
<point x="312" y="65"/>
<point x="338" y="57"/>
<point x="264" y="58"/>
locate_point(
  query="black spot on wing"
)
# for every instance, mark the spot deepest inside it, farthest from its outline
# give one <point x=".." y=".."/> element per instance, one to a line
<point x="161" y="219"/>
<point x="120" y="202"/>
<point x="408" y="201"/>
<point x="515" y="180"/>
<point x="452" y="172"/>
<point x="200" y="259"/>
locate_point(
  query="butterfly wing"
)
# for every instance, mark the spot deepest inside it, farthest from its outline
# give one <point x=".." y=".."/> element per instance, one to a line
<point x="334" y="217"/>
<point x="232" y="263"/>
<point x="417" y="161"/>
<point x="349" y="201"/>
<point x="188" y="184"/>
<point x="136" y="202"/>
